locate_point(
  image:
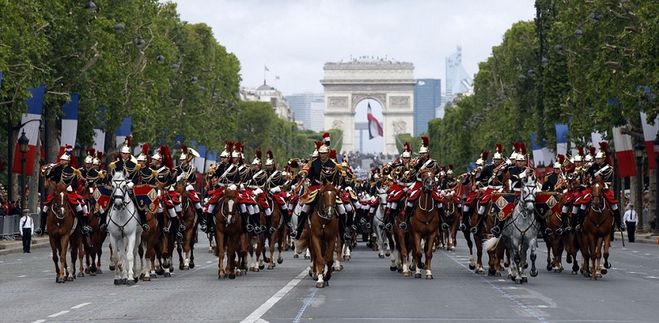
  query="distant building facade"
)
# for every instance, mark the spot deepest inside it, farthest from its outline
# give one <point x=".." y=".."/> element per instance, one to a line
<point x="458" y="81"/>
<point x="267" y="93"/>
<point x="307" y="110"/>
<point x="427" y="100"/>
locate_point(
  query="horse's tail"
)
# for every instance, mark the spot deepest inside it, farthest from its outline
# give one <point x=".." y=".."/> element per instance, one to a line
<point x="491" y="243"/>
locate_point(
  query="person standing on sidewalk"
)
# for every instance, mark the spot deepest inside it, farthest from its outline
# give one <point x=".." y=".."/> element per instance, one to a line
<point x="631" y="218"/>
<point x="27" y="228"/>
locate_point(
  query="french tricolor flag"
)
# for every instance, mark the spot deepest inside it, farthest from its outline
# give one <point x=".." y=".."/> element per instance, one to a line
<point x="31" y="128"/>
<point x="70" y="124"/>
<point x="374" y="125"/>
<point x="200" y="162"/>
<point x="124" y="130"/>
<point x="649" y="134"/>
<point x="624" y="153"/>
<point x="561" y="138"/>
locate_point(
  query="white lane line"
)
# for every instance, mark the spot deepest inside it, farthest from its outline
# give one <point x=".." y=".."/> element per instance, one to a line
<point x="58" y="313"/>
<point x="307" y="301"/>
<point x="79" y="306"/>
<point x="39" y="321"/>
<point x="256" y="315"/>
<point x="22" y="276"/>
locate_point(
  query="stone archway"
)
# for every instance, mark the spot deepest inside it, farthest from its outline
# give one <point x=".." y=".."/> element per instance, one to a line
<point x="389" y="83"/>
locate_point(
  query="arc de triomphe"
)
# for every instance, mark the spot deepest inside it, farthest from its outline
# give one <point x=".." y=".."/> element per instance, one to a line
<point x="388" y="82"/>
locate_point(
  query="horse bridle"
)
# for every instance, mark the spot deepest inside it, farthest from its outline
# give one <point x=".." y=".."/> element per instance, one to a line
<point x="600" y="201"/>
<point x="321" y="210"/>
<point x="227" y="217"/>
<point x="124" y="192"/>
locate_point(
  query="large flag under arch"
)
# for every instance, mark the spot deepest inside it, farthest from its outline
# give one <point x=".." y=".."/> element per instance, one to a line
<point x="374" y="125"/>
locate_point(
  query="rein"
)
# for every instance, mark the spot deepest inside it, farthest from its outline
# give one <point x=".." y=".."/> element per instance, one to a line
<point x="126" y="202"/>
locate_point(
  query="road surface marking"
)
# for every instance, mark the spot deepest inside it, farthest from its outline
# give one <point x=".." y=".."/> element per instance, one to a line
<point x="39" y="321"/>
<point x="58" y="314"/>
<point x="256" y="315"/>
<point x="307" y="301"/>
<point x="22" y="276"/>
<point x="79" y="306"/>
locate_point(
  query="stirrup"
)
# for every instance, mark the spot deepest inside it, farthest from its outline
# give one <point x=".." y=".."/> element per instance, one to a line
<point x="181" y="227"/>
<point x="388" y="227"/>
<point x="462" y="227"/>
<point x="145" y="227"/>
<point x="445" y="226"/>
<point x="495" y="231"/>
<point x="578" y="228"/>
<point x="403" y="225"/>
<point x="559" y="231"/>
<point x="249" y="227"/>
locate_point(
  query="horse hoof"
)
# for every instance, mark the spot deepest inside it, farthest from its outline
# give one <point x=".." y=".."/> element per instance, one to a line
<point x="146" y="278"/>
<point x="381" y="256"/>
<point x="88" y="271"/>
<point x="306" y="257"/>
<point x="497" y="274"/>
<point x="261" y="267"/>
<point x="549" y="267"/>
<point x="92" y="274"/>
<point x="604" y="271"/>
<point x="525" y="280"/>
<point x="518" y="280"/>
<point x="574" y="272"/>
<point x="607" y="265"/>
<point x="295" y="256"/>
<point x="232" y="276"/>
<point x="81" y="274"/>
<point x="407" y="274"/>
<point x="568" y="258"/>
<point x="111" y="267"/>
<point x="491" y="272"/>
<point x="123" y="281"/>
<point x="191" y="265"/>
<point x="392" y="268"/>
<point x="271" y="267"/>
<point x="167" y="274"/>
<point x="69" y="278"/>
<point x="472" y="267"/>
<point x="153" y="275"/>
<point x="280" y="260"/>
<point x="99" y="271"/>
<point x="387" y="254"/>
<point x="160" y="271"/>
<point x="117" y="281"/>
<point x="429" y="277"/>
<point x="598" y="276"/>
<point x="181" y="267"/>
<point x="320" y="285"/>
<point x="534" y="273"/>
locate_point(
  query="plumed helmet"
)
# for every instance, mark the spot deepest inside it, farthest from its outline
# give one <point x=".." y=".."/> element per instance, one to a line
<point x="498" y="154"/>
<point x="91" y="152"/>
<point x="481" y="161"/>
<point x="449" y="171"/>
<point x="270" y="161"/>
<point x="237" y="150"/>
<point x="125" y="149"/>
<point x="407" y="151"/>
<point x="603" y="151"/>
<point x="425" y="145"/>
<point x="184" y="153"/>
<point x="257" y="157"/>
<point x="326" y="138"/>
<point x="97" y="159"/>
<point x="68" y="149"/>
<point x="588" y="158"/>
<point x="144" y="155"/>
<point x="226" y="153"/>
<point x="521" y="152"/>
<point x="557" y="165"/>
<point x="322" y="149"/>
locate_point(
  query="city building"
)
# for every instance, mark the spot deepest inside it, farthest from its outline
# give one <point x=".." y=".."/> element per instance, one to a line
<point x="307" y="109"/>
<point x="457" y="81"/>
<point x="267" y="93"/>
<point x="427" y="100"/>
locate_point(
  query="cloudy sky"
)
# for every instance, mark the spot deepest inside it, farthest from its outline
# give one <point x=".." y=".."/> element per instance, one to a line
<point x="295" y="38"/>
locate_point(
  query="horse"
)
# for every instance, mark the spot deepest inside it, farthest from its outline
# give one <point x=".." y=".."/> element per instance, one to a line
<point x="553" y="240"/>
<point x="94" y="250"/>
<point x="61" y="223"/>
<point x="424" y="223"/>
<point x="324" y="234"/>
<point x="276" y="234"/>
<point x="450" y="220"/>
<point x="596" y="234"/>
<point x="124" y="230"/>
<point x="382" y="240"/>
<point x="151" y="247"/>
<point x="189" y="220"/>
<point x="229" y="234"/>
<point x="520" y="233"/>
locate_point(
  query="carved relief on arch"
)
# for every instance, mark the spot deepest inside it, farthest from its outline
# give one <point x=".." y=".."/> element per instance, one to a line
<point x="337" y="102"/>
<point x="400" y="102"/>
<point x="337" y="124"/>
<point x="358" y="97"/>
<point x="400" y="126"/>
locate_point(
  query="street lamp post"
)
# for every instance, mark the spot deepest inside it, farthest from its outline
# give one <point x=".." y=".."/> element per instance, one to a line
<point x="23" y="146"/>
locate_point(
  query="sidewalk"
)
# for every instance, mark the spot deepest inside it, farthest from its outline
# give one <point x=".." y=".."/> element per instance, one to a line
<point x="16" y="246"/>
<point x="646" y="238"/>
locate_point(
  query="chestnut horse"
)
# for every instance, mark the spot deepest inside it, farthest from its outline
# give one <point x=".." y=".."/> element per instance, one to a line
<point x="276" y="233"/>
<point x="60" y="224"/>
<point x="424" y="223"/>
<point x="324" y="234"/>
<point x="596" y="235"/>
<point x="189" y="220"/>
<point x="229" y="235"/>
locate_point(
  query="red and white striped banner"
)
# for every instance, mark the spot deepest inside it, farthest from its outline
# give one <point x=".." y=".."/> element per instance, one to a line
<point x="624" y="154"/>
<point x="31" y="129"/>
<point x="649" y="135"/>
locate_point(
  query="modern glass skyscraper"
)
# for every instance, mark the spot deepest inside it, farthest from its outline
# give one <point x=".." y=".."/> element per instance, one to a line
<point x="308" y="108"/>
<point x="457" y="80"/>
<point x="427" y="99"/>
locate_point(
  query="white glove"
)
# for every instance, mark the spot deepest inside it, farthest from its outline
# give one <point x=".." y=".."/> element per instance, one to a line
<point x="348" y="188"/>
<point x="233" y="187"/>
<point x="258" y="191"/>
<point x="130" y="185"/>
<point x="189" y="188"/>
<point x="179" y="178"/>
<point x="69" y="189"/>
<point x="242" y="187"/>
<point x="509" y="162"/>
<point x="275" y="189"/>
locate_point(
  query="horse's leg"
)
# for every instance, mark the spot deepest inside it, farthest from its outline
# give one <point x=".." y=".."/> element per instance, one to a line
<point x="416" y="238"/>
<point x="470" y="246"/>
<point x="318" y="261"/>
<point x="64" y="249"/>
<point x="534" y="271"/>
<point x="271" y="246"/>
<point x="54" y="247"/>
<point x="479" y="254"/>
<point x="429" y="252"/>
<point x="598" y="257"/>
<point x="607" y="245"/>
<point x="328" y="259"/>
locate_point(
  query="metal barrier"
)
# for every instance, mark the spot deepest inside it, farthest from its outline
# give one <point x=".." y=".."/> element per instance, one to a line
<point x="10" y="225"/>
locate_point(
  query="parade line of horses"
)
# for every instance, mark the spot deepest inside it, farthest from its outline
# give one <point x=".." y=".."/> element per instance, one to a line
<point x="409" y="242"/>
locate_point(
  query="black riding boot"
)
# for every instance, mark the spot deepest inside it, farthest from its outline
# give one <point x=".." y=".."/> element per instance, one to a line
<point x="387" y="219"/>
<point x="409" y="212"/>
<point x="287" y="218"/>
<point x="254" y="219"/>
<point x="579" y="219"/>
<point x="42" y="225"/>
<point x="210" y="222"/>
<point x="244" y="221"/>
<point x="200" y="216"/>
<point x="160" y="219"/>
<point x="203" y="221"/>
<point x="301" y="221"/>
<point x="465" y="221"/>
<point x="442" y="214"/>
<point x="84" y="223"/>
<point x="565" y="225"/>
<point x="143" y="221"/>
<point x="180" y="226"/>
<point x="497" y="227"/>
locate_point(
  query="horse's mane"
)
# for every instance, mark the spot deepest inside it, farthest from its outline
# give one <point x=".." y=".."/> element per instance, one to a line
<point x="329" y="187"/>
<point x="229" y="193"/>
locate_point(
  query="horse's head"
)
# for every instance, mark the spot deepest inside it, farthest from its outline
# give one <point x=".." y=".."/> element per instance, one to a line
<point x="327" y="202"/>
<point x="428" y="179"/>
<point x="597" y="199"/>
<point x="529" y="191"/>
<point x="119" y="190"/>
<point x="229" y="206"/>
<point x="58" y="206"/>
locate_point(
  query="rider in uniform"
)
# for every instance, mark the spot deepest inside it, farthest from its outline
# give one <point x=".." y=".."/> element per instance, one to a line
<point x="160" y="176"/>
<point x="480" y="175"/>
<point x="207" y="223"/>
<point x="186" y="172"/>
<point x="396" y="192"/>
<point x="423" y="163"/>
<point x="277" y="183"/>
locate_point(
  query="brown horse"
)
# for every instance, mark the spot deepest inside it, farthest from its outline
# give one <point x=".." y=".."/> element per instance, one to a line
<point x="60" y="224"/>
<point x="189" y="220"/>
<point x="449" y="221"/>
<point x="94" y="250"/>
<point x="596" y="235"/>
<point x="229" y="234"/>
<point x="424" y="224"/>
<point x="484" y="225"/>
<point x="151" y="247"/>
<point x="276" y="234"/>
<point x="553" y="219"/>
<point x="324" y="234"/>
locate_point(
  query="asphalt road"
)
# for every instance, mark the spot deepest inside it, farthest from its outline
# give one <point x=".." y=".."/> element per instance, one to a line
<point x="364" y="291"/>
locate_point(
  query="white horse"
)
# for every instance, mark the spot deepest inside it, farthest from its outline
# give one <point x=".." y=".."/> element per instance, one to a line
<point x="382" y="241"/>
<point x="125" y="232"/>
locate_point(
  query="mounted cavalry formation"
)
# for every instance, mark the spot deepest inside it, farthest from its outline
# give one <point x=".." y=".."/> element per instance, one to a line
<point x="251" y="212"/>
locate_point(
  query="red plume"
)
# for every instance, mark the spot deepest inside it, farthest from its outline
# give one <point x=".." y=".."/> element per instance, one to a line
<point x="166" y="154"/>
<point x="228" y="146"/>
<point x="604" y="147"/>
<point x="485" y="154"/>
<point x="580" y="149"/>
<point x="332" y="154"/>
<point x="269" y="154"/>
<point x="99" y="155"/>
<point x="318" y="144"/>
<point x="561" y="158"/>
<point x="258" y="153"/>
<point x="426" y="141"/>
<point x="91" y="151"/>
<point x="450" y="166"/>
<point x="129" y="141"/>
<point x="592" y="150"/>
<point x="499" y="149"/>
<point x="145" y="149"/>
<point x="238" y="147"/>
<point x="406" y="147"/>
<point x="326" y="136"/>
<point x="522" y="148"/>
